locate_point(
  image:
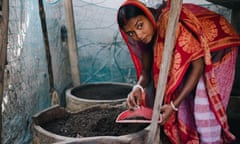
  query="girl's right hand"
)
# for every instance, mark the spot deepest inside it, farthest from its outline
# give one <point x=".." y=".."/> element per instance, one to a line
<point x="135" y="98"/>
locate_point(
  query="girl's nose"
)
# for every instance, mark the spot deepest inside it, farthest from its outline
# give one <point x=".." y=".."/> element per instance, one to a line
<point x="139" y="35"/>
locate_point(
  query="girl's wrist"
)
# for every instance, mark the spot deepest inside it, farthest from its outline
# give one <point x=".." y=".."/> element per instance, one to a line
<point x="138" y="86"/>
<point x="173" y="106"/>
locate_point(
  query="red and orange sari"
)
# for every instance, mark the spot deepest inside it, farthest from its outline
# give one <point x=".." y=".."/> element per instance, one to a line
<point x="201" y="33"/>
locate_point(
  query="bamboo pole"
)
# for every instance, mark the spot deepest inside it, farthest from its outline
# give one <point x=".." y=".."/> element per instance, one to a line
<point x="46" y="44"/>
<point x="53" y="93"/>
<point x="4" y="18"/>
<point x="175" y="9"/>
<point x="72" y="46"/>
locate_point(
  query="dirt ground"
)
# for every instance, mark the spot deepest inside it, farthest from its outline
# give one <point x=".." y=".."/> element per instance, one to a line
<point x="92" y="122"/>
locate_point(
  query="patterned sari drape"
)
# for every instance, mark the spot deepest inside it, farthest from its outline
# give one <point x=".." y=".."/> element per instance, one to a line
<point x="200" y="34"/>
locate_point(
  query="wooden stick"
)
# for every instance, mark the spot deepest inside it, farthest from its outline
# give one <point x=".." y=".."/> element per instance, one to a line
<point x="46" y="44"/>
<point x="53" y="93"/>
<point x="4" y="19"/>
<point x="72" y="46"/>
<point x="175" y="9"/>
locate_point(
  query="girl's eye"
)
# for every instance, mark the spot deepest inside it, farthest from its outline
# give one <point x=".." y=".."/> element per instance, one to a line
<point x="139" y="25"/>
<point x="130" y="34"/>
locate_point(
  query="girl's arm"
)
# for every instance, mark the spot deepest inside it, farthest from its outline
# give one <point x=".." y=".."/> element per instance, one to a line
<point x="147" y="60"/>
<point x="136" y="94"/>
<point x="191" y="80"/>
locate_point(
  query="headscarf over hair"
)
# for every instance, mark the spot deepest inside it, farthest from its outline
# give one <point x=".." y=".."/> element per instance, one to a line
<point x="126" y="13"/>
<point x="150" y="16"/>
<point x="140" y="6"/>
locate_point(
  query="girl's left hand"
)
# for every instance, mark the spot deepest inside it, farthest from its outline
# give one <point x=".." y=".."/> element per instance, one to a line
<point x="166" y="111"/>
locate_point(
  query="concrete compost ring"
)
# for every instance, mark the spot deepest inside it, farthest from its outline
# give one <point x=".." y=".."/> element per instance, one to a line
<point x="43" y="136"/>
<point x="81" y="97"/>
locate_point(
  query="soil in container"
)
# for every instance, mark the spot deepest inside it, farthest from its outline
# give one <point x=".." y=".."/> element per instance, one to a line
<point x="102" y="91"/>
<point x="96" y="121"/>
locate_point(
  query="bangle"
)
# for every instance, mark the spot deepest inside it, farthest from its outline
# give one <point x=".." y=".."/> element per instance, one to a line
<point x="173" y="106"/>
<point x="138" y="86"/>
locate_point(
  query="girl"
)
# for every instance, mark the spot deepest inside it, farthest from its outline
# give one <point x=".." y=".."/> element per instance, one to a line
<point x="201" y="74"/>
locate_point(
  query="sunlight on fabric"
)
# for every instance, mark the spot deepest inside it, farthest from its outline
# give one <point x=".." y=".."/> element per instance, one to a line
<point x="5" y="102"/>
<point x="21" y="36"/>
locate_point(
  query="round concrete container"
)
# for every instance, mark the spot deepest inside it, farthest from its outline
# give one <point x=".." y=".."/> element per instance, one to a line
<point x="43" y="136"/>
<point x="83" y="96"/>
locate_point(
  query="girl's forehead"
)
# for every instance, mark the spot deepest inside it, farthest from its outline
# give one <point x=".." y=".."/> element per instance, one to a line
<point x="132" y="23"/>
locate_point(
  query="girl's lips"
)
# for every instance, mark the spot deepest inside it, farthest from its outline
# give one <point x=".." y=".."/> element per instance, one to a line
<point x="146" y="40"/>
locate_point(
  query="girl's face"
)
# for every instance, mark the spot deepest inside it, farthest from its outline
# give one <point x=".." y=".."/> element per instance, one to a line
<point x="139" y="29"/>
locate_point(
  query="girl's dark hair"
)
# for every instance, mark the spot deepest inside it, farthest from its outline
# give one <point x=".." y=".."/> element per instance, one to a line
<point x="125" y="13"/>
